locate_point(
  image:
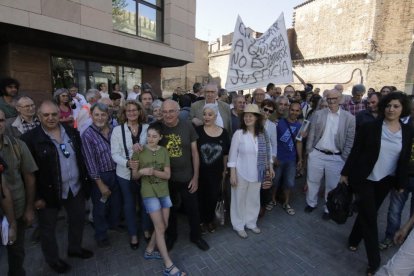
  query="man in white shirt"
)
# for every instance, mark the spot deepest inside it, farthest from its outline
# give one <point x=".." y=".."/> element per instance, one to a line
<point x="330" y="139"/>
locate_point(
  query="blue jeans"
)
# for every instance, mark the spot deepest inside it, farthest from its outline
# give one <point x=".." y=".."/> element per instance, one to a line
<point x="129" y="191"/>
<point x="287" y="172"/>
<point x="397" y="202"/>
<point x="106" y="215"/>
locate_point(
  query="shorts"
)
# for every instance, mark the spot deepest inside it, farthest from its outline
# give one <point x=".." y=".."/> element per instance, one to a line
<point x="153" y="204"/>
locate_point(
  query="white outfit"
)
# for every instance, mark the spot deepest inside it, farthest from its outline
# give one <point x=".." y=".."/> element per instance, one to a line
<point x="118" y="151"/>
<point x="133" y="95"/>
<point x="402" y="263"/>
<point x="272" y="133"/>
<point x="83" y="119"/>
<point x="245" y="197"/>
<point x="78" y="103"/>
<point x="104" y="94"/>
<point x="320" y="165"/>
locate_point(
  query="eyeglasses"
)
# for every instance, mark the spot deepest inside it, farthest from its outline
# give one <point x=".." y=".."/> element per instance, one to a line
<point x="169" y="111"/>
<point x="270" y="111"/>
<point x="331" y="99"/>
<point x="65" y="152"/>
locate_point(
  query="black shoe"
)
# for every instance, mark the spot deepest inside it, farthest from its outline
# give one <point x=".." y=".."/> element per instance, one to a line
<point x="134" y="246"/>
<point x="169" y="242"/>
<point x="59" y="266"/>
<point x="309" y="209"/>
<point x="103" y="243"/>
<point x="83" y="254"/>
<point x="202" y="244"/>
<point x="325" y="216"/>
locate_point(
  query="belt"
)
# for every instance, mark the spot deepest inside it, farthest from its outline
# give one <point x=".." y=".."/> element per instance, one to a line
<point x="328" y="152"/>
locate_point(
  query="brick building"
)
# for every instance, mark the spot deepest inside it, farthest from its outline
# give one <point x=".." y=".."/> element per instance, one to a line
<point x="345" y="41"/>
<point x="47" y="44"/>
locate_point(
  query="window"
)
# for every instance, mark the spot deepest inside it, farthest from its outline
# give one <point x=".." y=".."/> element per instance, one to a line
<point x="89" y="74"/>
<point x="139" y="17"/>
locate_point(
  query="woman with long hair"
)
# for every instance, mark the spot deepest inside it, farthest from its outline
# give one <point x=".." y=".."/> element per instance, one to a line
<point x="249" y="161"/>
<point x="62" y="99"/>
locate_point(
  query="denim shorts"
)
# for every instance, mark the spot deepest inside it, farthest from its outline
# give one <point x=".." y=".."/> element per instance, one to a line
<point x="286" y="171"/>
<point x="153" y="204"/>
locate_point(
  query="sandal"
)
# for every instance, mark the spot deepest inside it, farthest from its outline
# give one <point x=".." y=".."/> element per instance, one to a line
<point x="385" y="244"/>
<point x="269" y="206"/>
<point x="168" y="271"/>
<point x="289" y="209"/>
<point x="352" y="248"/>
<point x="152" y="255"/>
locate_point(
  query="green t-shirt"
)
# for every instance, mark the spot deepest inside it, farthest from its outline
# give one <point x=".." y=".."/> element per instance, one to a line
<point x="152" y="186"/>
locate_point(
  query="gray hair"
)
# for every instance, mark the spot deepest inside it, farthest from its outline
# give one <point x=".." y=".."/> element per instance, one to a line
<point x="59" y="92"/>
<point x="211" y="106"/>
<point x="101" y="106"/>
<point x="358" y="89"/>
<point x="156" y="104"/>
<point x="234" y="99"/>
<point x="280" y="98"/>
<point x="91" y="94"/>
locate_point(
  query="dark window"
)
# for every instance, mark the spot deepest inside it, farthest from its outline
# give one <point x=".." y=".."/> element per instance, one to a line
<point x="139" y="17"/>
<point x="89" y="74"/>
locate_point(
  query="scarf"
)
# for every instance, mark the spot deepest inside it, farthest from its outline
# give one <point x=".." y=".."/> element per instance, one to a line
<point x="262" y="155"/>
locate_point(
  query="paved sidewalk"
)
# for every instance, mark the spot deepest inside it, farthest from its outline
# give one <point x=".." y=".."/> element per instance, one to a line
<point x="302" y="244"/>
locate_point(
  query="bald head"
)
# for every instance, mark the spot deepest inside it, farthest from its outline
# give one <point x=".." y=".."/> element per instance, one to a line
<point x="48" y="114"/>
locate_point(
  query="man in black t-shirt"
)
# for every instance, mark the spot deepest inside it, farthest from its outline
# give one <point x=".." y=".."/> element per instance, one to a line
<point x="180" y="139"/>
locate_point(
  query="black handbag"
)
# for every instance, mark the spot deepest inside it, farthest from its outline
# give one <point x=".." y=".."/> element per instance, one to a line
<point x="339" y="203"/>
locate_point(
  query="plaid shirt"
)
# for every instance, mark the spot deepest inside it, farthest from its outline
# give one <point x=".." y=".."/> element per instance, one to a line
<point x="353" y="107"/>
<point x="29" y="126"/>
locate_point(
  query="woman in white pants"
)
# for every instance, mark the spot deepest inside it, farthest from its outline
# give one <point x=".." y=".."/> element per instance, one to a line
<point x="249" y="158"/>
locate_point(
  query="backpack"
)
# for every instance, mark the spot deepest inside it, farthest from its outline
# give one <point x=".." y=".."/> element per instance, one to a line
<point x="339" y="203"/>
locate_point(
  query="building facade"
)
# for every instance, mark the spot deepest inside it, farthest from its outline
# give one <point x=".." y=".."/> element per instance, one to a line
<point x="47" y="44"/>
<point x="344" y="41"/>
<point x="184" y="77"/>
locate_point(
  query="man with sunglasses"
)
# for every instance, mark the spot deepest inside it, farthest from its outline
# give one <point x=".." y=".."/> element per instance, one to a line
<point x="61" y="181"/>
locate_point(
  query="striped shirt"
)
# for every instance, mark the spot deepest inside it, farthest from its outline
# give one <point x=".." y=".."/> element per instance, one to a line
<point x="97" y="152"/>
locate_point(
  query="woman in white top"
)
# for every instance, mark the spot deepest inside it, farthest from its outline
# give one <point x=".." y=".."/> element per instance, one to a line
<point x="133" y="131"/>
<point x="249" y="158"/>
<point x="377" y="163"/>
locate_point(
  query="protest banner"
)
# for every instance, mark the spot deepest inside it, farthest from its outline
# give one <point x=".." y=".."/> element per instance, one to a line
<point x="255" y="62"/>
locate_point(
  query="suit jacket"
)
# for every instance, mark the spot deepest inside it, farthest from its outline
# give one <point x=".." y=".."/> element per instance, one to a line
<point x="365" y="152"/>
<point x="344" y="137"/>
<point x="224" y="109"/>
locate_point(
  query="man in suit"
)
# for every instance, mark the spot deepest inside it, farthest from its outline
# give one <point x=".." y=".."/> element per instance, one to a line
<point x="224" y="115"/>
<point x="330" y="140"/>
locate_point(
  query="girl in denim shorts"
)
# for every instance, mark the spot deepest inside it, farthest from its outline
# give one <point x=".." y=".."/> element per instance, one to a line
<point x="154" y="172"/>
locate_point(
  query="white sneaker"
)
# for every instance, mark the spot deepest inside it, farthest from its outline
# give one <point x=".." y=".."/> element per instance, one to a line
<point x="255" y="230"/>
<point x="242" y="234"/>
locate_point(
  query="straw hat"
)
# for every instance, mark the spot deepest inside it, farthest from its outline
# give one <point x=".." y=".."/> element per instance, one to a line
<point x="252" y="108"/>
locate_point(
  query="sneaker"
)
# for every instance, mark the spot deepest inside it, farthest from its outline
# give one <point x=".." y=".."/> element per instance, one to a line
<point x="242" y="234"/>
<point x="385" y="244"/>
<point x="255" y="230"/>
<point x="309" y="209"/>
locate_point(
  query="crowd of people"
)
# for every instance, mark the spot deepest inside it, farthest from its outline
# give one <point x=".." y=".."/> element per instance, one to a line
<point x="140" y="159"/>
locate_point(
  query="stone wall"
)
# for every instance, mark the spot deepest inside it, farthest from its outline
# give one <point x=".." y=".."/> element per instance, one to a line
<point x="185" y="76"/>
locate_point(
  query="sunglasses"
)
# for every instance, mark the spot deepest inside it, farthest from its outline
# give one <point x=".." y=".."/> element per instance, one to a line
<point x="270" y="111"/>
<point x="65" y="152"/>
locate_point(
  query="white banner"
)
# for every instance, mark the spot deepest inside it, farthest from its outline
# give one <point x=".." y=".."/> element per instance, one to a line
<point x="254" y="62"/>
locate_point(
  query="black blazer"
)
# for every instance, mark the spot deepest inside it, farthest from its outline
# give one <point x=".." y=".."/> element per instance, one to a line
<point x="365" y="151"/>
<point x="48" y="177"/>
